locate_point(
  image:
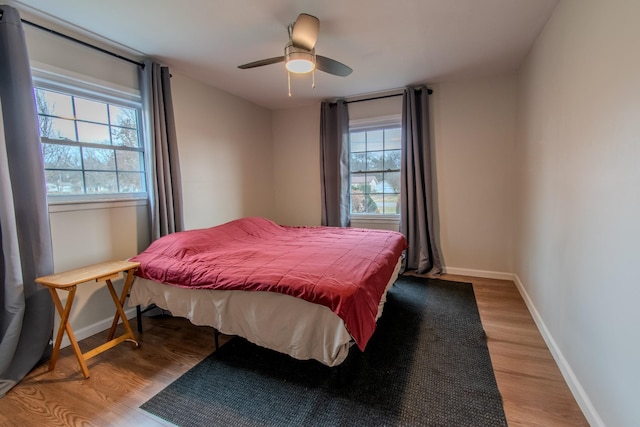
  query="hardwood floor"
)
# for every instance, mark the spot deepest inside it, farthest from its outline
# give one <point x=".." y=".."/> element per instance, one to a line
<point x="533" y="390"/>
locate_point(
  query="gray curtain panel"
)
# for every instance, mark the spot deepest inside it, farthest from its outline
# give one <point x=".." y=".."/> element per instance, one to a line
<point x="165" y="192"/>
<point x="27" y="309"/>
<point x="416" y="194"/>
<point x="334" y="163"/>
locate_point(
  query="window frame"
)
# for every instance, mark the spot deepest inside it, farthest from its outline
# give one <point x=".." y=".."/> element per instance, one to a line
<point x="53" y="79"/>
<point x="357" y="125"/>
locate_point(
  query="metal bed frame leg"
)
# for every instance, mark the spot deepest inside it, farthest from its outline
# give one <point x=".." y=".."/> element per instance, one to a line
<point x="139" y="318"/>
<point x="140" y="312"/>
<point x="216" y="335"/>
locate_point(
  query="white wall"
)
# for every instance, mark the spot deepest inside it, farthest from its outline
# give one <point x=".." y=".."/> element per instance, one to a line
<point x="579" y="206"/>
<point x="55" y="51"/>
<point x="474" y="135"/>
<point x="296" y="154"/>
<point x="225" y="151"/>
<point x="376" y="107"/>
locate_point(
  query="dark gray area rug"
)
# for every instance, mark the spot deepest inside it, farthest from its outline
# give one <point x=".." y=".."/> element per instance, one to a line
<point x="427" y="365"/>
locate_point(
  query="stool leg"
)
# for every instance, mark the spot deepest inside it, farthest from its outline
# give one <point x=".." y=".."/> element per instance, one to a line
<point x="120" y="312"/>
<point x="121" y="300"/>
<point x="64" y="315"/>
<point x="64" y="326"/>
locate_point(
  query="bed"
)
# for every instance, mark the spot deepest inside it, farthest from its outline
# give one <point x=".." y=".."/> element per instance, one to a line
<point x="309" y="292"/>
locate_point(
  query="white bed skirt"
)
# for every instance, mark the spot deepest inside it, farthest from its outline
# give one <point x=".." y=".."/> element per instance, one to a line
<point x="280" y="322"/>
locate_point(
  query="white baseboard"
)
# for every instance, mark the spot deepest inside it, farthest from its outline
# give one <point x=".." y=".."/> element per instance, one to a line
<point x="578" y="391"/>
<point x="479" y="273"/>
<point x="92" y="329"/>
<point x="576" y="388"/>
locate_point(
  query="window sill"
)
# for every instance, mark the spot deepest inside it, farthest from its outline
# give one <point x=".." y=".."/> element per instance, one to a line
<point x="69" y="206"/>
<point x="386" y="222"/>
<point x="376" y="218"/>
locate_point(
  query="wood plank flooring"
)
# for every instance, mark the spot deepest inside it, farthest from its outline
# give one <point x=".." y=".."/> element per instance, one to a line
<point x="533" y="390"/>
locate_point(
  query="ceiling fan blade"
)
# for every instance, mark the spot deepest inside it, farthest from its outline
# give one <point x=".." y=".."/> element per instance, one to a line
<point x="305" y="31"/>
<point x="262" y="62"/>
<point x="332" y="66"/>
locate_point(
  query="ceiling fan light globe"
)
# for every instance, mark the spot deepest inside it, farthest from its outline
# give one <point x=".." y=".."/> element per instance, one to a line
<point x="300" y="65"/>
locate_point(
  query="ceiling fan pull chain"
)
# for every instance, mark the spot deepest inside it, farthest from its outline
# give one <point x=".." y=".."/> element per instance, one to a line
<point x="313" y="79"/>
<point x="289" y="82"/>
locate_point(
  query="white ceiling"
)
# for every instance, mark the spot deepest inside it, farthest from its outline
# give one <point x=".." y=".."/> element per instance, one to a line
<point x="388" y="43"/>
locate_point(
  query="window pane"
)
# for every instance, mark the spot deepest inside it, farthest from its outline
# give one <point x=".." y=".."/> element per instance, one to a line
<point x="384" y="187"/>
<point x="358" y="162"/>
<point x="357" y="203"/>
<point x="392" y="182"/>
<point x="391" y="204"/>
<point x="61" y="156"/>
<point x="392" y="160"/>
<point x="392" y="139"/>
<point x="358" y="183"/>
<point x="93" y="133"/>
<point x="57" y="128"/>
<point x="124" y="136"/>
<point x="101" y="182"/>
<point x="64" y="183"/>
<point x="363" y="203"/>
<point x="122" y="116"/>
<point x="77" y="137"/>
<point x="374" y="182"/>
<point x="54" y="103"/>
<point x="374" y="140"/>
<point x="46" y="127"/>
<point x="131" y="182"/>
<point x="129" y="160"/>
<point x="91" y="110"/>
<point x="98" y="159"/>
<point x="374" y="204"/>
<point x="374" y="160"/>
<point x="358" y="142"/>
<point x="376" y="191"/>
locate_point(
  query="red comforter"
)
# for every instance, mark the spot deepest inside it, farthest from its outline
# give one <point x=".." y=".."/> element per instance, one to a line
<point x="345" y="269"/>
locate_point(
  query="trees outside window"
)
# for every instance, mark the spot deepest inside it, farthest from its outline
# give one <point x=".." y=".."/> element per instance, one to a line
<point x="90" y="146"/>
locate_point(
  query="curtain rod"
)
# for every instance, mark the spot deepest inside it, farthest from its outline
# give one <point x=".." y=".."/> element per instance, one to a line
<point x="64" y="36"/>
<point x="429" y="91"/>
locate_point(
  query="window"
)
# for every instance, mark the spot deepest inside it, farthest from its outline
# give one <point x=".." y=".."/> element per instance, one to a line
<point x="91" y="144"/>
<point x="375" y="169"/>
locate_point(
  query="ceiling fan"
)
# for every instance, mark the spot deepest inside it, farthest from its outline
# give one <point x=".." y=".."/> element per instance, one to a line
<point x="300" y="53"/>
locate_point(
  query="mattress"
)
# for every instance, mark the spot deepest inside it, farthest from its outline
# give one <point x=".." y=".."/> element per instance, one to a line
<point x="290" y="325"/>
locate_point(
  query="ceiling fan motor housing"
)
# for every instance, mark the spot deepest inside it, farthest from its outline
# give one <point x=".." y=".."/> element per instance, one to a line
<point x="299" y="60"/>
